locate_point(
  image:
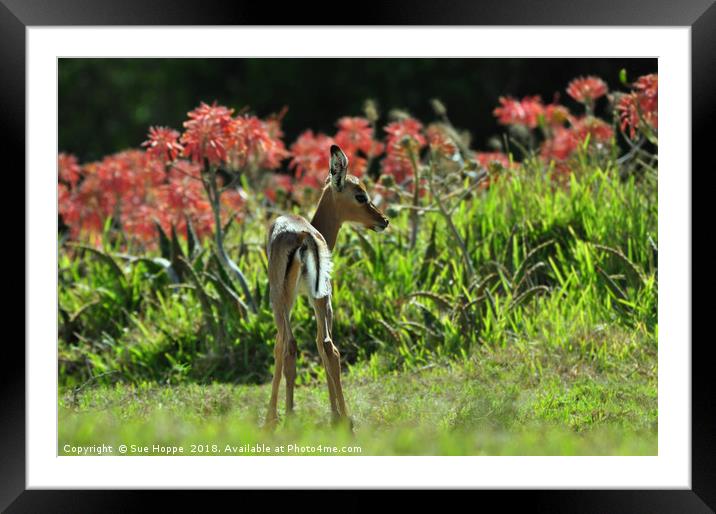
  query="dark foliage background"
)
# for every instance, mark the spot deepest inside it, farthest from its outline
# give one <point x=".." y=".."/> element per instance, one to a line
<point x="106" y="105"/>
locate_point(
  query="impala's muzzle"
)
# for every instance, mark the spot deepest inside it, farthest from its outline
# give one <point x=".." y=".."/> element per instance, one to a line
<point x="380" y="227"/>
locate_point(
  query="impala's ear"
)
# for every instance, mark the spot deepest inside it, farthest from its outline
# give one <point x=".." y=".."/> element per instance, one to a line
<point x="338" y="167"/>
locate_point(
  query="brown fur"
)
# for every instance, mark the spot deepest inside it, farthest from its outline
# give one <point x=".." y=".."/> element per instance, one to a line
<point x="290" y="236"/>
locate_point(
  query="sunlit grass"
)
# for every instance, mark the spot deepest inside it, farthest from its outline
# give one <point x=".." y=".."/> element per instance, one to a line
<point x="492" y="405"/>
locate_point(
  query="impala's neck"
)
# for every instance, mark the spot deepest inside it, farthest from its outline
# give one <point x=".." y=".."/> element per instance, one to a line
<point x="325" y="220"/>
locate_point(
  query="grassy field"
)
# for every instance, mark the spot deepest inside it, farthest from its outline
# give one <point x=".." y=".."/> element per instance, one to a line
<point x="522" y="321"/>
<point x="494" y="404"/>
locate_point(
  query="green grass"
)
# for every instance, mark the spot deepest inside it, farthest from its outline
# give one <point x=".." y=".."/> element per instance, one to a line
<point x="494" y="404"/>
<point x="547" y="346"/>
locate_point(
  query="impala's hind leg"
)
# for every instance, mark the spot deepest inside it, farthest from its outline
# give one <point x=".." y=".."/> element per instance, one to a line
<point x="290" y="349"/>
<point x="272" y="414"/>
<point x="330" y="355"/>
<point x="284" y="363"/>
<point x="285" y="349"/>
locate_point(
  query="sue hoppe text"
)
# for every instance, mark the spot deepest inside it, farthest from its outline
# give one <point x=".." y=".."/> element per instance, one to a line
<point x="207" y="449"/>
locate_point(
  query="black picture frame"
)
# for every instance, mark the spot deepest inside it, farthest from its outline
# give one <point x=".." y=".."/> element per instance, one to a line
<point x="17" y="15"/>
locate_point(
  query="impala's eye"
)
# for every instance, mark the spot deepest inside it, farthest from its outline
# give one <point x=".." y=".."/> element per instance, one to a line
<point x="361" y="198"/>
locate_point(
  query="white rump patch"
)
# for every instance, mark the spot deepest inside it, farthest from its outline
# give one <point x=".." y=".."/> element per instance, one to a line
<point x="307" y="278"/>
<point x="309" y="265"/>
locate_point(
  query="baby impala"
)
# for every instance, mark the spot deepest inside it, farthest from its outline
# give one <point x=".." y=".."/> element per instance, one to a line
<point x="299" y="260"/>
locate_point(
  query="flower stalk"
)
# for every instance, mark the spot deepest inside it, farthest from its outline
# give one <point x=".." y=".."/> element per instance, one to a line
<point x="214" y="195"/>
<point x="448" y="219"/>
<point x="415" y="211"/>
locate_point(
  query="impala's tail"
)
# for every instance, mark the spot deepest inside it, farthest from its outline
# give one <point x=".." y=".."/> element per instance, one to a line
<point x="316" y="259"/>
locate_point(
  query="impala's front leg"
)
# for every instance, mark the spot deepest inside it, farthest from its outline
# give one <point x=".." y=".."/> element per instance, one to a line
<point x="330" y="355"/>
<point x="329" y="382"/>
<point x="322" y="327"/>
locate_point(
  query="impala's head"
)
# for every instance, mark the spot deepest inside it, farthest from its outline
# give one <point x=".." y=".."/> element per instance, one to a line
<point x="352" y="202"/>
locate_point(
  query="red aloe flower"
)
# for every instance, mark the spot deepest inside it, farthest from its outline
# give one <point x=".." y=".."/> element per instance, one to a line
<point x="648" y="90"/>
<point x="556" y="115"/>
<point x="275" y="152"/>
<point x="249" y="142"/>
<point x="182" y="195"/>
<point x="648" y="94"/>
<point x="116" y="175"/>
<point x="408" y="127"/>
<point x="67" y="206"/>
<point x="162" y="144"/>
<point x="233" y="202"/>
<point x="204" y="137"/>
<point x="63" y="196"/>
<point x="134" y="188"/>
<point x="587" y="89"/>
<point x="641" y="104"/>
<point x="87" y="208"/>
<point x="401" y="133"/>
<point x="310" y="158"/>
<point x="564" y="141"/>
<point x="487" y="158"/>
<point x="519" y="112"/>
<point x="138" y="222"/>
<point x="597" y="130"/>
<point x="560" y="146"/>
<point x="356" y="135"/>
<point x="183" y="189"/>
<point x="68" y="169"/>
<point x="276" y="183"/>
<point x="440" y="142"/>
<point x="628" y="113"/>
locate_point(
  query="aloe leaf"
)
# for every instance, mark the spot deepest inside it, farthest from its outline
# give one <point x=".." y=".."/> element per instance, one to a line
<point x="164" y="244"/>
<point x="365" y="245"/>
<point x="613" y="286"/>
<point x="440" y="300"/>
<point x="215" y="262"/>
<point x="75" y="316"/>
<point x="107" y="259"/>
<point x="162" y="264"/>
<point x="204" y="298"/>
<point x="193" y="244"/>
<point x="618" y="253"/>
<point x="529" y="255"/>
<point x="227" y="226"/>
<point x="428" y="257"/>
<point x="227" y="293"/>
<point x="242" y="281"/>
<point x="257" y="291"/>
<point x="64" y="315"/>
<point x="177" y="250"/>
<point x="528" y="294"/>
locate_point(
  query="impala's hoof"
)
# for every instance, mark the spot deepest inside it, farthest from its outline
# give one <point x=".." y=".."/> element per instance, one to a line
<point x="343" y="421"/>
<point x="270" y="423"/>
